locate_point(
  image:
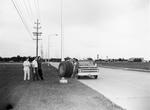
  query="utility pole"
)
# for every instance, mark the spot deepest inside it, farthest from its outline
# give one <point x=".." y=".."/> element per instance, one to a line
<point x="37" y="34"/>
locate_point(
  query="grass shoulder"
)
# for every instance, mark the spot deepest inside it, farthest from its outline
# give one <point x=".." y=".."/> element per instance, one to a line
<point x="132" y="65"/>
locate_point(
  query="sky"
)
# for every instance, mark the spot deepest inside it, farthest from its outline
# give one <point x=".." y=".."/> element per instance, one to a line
<point x="110" y="28"/>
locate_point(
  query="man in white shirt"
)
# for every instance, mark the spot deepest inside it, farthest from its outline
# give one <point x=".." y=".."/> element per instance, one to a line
<point x="35" y="69"/>
<point x="26" y="65"/>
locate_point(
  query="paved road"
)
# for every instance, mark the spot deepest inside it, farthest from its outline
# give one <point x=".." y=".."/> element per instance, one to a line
<point x="129" y="89"/>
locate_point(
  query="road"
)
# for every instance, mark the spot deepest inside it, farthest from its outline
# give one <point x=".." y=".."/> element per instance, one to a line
<point x="128" y="89"/>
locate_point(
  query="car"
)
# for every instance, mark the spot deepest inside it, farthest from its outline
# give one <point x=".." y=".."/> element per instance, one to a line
<point x="87" y="68"/>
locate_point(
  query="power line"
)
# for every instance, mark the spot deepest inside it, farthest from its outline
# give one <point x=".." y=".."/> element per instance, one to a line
<point x="27" y="10"/>
<point x="21" y="17"/>
<point x="38" y="9"/>
<point x="24" y="11"/>
<point x="33" y="11"/>
<point x="30" y="7"/>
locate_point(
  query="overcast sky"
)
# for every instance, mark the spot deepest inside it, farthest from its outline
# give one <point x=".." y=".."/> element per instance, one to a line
<point x="113" y="28"/>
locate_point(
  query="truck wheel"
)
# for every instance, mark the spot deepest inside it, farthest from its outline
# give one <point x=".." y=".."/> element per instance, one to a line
<point x="95" y="76"/>
<point x="78" y="77"/>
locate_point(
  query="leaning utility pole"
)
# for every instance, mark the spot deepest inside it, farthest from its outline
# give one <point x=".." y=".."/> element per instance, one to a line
<point x="37" y="34"/>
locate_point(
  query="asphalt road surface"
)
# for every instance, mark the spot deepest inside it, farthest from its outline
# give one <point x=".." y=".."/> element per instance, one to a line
<point x="129" y="89"/>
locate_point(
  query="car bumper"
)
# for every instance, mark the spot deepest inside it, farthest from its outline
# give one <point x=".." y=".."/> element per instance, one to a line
<point x="87" y="74"/>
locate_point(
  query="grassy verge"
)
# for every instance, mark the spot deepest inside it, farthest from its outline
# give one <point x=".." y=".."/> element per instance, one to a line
<point x="48" y="94"/>
<point x="134" y="65"/>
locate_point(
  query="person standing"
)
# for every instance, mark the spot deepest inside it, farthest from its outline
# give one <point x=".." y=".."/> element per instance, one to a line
<point x="40" y="72"/>
<point x="75" y="68"/>
<point x="26" y="65"/>
<point x="35" y="69"/>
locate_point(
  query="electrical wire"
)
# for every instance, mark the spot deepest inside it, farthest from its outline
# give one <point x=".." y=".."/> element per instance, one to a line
<point x="38" y="9"/>
<point x="23" y="11"/>
<point x="30" y="8"/>
<point x="27" y="10"/>
<point x="22" y="19"/>
<point x="26" y="13"/>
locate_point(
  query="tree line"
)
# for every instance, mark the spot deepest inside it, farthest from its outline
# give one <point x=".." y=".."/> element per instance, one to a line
<point x="19" y="58"/>
<point x="15" y="58"/>
<point x="120" y="60"/>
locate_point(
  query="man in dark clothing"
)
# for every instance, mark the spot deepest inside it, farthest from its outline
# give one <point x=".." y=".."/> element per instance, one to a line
<point x="39" y="61"/>
<point x="75" y="68"/>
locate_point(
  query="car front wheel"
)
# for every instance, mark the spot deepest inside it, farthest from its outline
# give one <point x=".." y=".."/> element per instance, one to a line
<point x="95" y="76"/>
<point x="78" y="77"/>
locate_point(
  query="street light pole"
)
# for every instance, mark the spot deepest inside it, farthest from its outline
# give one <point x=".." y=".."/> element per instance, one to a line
<point x="49" y="46"/>
<point x="48" y="51"/>
<point x="62" y="39"/>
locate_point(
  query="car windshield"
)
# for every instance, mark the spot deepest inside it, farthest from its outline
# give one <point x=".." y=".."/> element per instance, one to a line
<point x="85" y="63"/>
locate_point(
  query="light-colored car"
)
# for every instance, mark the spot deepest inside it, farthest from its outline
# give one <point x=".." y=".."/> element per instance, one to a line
<point x="87" y="68"/>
